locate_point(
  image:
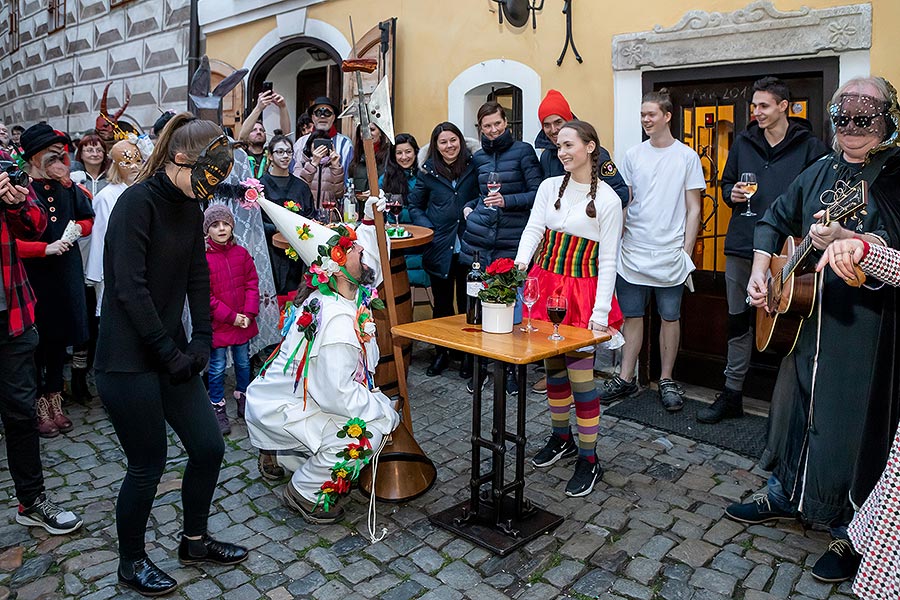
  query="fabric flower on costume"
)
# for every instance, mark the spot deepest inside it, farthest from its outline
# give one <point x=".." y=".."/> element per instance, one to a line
<point x="291" y="254"/>
<point x="318" y="274"/>
<point x="353" y="459"/>
<point x="294" y="207"/>
<point x="253" y="191"/>
<point x="330" y="266"/>
<point x="339" y="255"/>
<point x="304" y="233"/>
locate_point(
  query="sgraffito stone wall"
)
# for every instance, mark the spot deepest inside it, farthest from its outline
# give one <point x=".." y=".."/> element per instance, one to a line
<point x="140" y="46"/>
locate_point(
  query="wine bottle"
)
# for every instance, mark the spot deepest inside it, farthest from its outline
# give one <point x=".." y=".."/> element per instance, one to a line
<point x="474" y="284"/>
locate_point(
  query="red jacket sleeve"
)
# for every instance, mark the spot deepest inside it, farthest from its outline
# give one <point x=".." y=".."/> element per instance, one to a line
<point x="31" y="249"/>
<point x="86" y="226"/>
<point x="251" y="287"/>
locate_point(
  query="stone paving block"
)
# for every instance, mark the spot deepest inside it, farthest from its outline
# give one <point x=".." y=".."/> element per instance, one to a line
<point x="713" y="581"/>
<point x="483" y="591"/>
<point x="785" y="576"/>
<point x="333" y="590"/>
<point x="657" y="547"/>
<point x="325" y="560"/>
<point x="757" y="595"/>
<point x="695" y="553"/>
<point x="427" y="559"/>
<point x="307" y="585"/>
<point x="564" y="573"/>
<point x="643" y="570"/>
<point x="758" y="577"/>
<point x="442" y="593"/>
<point x="538" y="591"/>
<point x="767" y="532"/>
<point x="38" y="589"/>
<point x="732" y="564"/>
<point x="376" y="585"/>
<point x="676" y="590"/>
<point x="631" y="589"/>
<point x="459" y="575"/>
<point x="203" y="590"/>
<point x="245" y="592"/>
<point x="779" y="550"/>
<point x="812" y="588"/>
<point x="405" y="591"/>
<point x="722" y="532"/>
<point x="270" y="581"/>
<point x="31" y="569"/>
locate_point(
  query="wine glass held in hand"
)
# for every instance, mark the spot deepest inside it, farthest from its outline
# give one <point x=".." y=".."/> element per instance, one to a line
<point x="556" y="311"/>
<point x="493" y="185"/>
<point x="395" y="206"/>
<point x="748" y="181"/>
<point x="530" y="294"/>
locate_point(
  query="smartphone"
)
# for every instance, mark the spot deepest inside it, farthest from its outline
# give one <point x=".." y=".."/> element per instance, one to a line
<point x="327" y="142"/>
<point x="267" y="86"/>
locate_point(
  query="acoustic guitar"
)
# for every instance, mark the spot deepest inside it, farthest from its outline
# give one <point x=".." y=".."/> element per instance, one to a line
<point x="791" y="286"/>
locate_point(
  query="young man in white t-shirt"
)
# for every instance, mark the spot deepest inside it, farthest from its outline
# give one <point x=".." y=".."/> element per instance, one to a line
<point x="661" y="224"/>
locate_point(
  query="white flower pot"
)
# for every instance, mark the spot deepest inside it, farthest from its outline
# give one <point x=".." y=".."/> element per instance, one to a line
<point x="497" y="318"/>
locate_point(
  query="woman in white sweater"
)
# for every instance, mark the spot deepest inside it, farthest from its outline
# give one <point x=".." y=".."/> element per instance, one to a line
<point x="579" y="219"/>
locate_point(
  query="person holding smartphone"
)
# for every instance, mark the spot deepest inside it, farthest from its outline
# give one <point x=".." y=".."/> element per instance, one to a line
<point x="253" y="131"/>
<point x="320" y="167"/>
<point x="323" y="113"/>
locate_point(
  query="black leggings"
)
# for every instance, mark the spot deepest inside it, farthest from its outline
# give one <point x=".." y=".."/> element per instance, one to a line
<point x="139" y="406"/>
<point x="445" y="290"/>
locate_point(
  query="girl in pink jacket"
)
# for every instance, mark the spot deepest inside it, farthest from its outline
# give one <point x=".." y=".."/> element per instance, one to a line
<point x="234" y="304"/>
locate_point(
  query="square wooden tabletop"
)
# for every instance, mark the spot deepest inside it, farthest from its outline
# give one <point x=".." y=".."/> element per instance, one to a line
<point x="518" y="347"/>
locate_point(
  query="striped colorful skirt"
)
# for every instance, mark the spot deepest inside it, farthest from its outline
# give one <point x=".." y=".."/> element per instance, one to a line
<point x="567" y="266"/>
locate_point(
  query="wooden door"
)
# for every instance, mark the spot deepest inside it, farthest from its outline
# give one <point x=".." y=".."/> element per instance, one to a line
<point x="377" y="43"/>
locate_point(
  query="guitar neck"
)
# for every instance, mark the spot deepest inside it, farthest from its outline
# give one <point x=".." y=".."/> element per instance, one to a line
<point x="802" y="251"/>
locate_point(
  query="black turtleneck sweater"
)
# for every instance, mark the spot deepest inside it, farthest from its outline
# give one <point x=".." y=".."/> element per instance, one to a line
<point x="154" y="257"/>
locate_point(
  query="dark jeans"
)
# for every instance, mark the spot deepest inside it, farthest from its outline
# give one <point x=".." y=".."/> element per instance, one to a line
<point x="139" y="406"/>
<point x="51" y="360"/>
<point x="18" y="390"/>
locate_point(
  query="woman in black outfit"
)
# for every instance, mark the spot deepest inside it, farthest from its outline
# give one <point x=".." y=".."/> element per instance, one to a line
<point x="281" y="186"/>
<point x="447" y="181"/>
<point x="147" y="372"/>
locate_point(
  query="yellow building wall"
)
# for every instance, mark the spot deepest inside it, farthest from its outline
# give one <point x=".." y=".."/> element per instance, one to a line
<point x="438" y="39"/>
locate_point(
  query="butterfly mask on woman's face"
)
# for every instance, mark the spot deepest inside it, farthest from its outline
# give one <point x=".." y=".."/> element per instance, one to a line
<point x="211" y="167"/>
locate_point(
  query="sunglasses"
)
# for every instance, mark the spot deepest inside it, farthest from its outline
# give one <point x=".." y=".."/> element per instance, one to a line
<point x="323" y="112"/>
<point x="861" y="121"/>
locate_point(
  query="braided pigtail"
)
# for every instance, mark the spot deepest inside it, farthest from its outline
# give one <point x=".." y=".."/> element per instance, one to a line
<point x="562" y="188"/>
<point x="590" y="209"/>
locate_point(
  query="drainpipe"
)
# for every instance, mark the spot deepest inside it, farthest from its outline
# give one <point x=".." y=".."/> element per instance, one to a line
<point x="193" y="44"/>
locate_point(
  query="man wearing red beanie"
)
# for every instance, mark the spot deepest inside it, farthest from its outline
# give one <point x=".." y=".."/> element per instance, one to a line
<point x="553" y="112"/>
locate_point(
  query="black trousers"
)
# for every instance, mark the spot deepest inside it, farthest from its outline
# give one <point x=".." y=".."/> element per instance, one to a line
<point x="139" y="406"/>
<point x="445" y="290"/>
<point x="51" y="360"/>
<point x="18" y="391"/>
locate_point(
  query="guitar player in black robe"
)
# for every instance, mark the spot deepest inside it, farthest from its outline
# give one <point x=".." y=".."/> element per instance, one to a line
<point x="827" y="384"/>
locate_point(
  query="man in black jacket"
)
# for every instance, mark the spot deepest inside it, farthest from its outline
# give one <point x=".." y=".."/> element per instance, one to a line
<point x="776" y="148"/>
<point x="554" y="112"/>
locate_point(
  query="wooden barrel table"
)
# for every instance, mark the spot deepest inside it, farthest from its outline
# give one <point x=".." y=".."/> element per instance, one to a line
<point x="385" y="373"/>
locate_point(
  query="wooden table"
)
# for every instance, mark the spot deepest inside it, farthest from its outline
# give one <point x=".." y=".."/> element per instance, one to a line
<point x="502" y="519"/>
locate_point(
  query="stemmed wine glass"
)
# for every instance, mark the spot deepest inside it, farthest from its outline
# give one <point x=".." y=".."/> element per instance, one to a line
<point x="750" y="185"/>
<point x="556" y="310"/>
<point x="493" y="185"/>
<point x="530" y="294"/>
<point x="394" y="204"/>
<point x="328" y="210"/>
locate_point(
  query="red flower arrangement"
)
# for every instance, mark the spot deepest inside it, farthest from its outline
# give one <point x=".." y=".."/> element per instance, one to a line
<point x="503" y="278"/>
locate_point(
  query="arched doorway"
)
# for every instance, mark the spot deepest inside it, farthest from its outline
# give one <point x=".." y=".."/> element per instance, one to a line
<point x="300" y="69"/>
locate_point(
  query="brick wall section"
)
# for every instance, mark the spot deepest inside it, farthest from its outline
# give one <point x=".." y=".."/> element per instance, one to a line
<point x="140" y="47"/>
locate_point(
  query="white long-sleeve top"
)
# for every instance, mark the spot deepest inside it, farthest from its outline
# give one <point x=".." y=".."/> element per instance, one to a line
<point x="571" y="218"/>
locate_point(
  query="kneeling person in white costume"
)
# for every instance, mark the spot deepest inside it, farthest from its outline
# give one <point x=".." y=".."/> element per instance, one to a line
<point x="317" y="390"/>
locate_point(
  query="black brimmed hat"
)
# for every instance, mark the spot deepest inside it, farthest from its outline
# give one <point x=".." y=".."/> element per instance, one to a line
<point x="41" y="136"/>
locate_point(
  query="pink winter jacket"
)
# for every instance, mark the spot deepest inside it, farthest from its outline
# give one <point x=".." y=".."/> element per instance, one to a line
<point x="325" y="181"/>
<point x="233" y="289"/>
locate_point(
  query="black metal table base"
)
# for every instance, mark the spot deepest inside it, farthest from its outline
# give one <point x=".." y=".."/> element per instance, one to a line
<point x="498" y="518"/>
<point x="479" y="527"/>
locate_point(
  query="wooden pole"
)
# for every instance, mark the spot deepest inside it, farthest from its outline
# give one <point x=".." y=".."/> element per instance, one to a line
<point x="384" y="256"/>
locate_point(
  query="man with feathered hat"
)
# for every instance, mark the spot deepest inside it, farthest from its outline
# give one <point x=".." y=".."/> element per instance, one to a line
<point x="317" y="389"/>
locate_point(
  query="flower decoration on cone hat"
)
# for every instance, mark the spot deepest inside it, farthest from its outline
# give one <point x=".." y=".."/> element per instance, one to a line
<point x="292" y="226"/>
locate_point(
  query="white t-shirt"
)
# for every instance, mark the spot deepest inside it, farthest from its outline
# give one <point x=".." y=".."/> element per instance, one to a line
<point x="653" y="241"/>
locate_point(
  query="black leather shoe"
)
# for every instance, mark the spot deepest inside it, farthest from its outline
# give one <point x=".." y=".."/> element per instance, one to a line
<point x="145" y="578"/>
<point x="466" y="366"/>
<point x="441" y="361"/>
<point x="210" y="551"/>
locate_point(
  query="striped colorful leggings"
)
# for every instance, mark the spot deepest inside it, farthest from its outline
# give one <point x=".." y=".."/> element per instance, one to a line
<point x="571" y="378"/>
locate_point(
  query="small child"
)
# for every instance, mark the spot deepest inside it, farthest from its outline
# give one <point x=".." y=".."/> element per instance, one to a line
<point x="233" y="306"/>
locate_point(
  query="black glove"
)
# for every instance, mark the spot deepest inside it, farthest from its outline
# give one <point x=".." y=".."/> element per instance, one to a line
<point x="199" y="361"/>
<point x="180" y="368"/>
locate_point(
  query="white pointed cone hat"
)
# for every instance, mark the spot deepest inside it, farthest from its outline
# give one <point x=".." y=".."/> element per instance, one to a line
<point x="290" y="224"/>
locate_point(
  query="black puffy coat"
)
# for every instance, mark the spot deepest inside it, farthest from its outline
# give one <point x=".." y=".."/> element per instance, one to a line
<point x="495" y="233"/>
<point x="775" y="167"/>
<point x="552" y="167"/>
<point x="436" y="204"/>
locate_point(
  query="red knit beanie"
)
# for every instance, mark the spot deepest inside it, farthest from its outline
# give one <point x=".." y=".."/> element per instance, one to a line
<point x="554" y="104"/>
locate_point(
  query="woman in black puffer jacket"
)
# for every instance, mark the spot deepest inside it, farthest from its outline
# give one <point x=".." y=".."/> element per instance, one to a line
<point x="494" y="222"/>
<point x="446" y="182"/>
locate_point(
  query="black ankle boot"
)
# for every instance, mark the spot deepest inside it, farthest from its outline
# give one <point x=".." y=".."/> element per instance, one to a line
<point x="145" y="578"/>
<point x="441" y="361"/>
<point x="80" y="391"/>
<point x="728" y="405"/>
<point x="466" y="366"/>
<point x="209" y="550"/>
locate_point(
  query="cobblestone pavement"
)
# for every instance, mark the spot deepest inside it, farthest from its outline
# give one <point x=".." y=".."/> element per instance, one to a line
<point x="652" y="529"/>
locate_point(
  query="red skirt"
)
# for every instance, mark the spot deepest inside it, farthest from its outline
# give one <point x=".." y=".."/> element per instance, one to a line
<point x="580" y="292"/>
